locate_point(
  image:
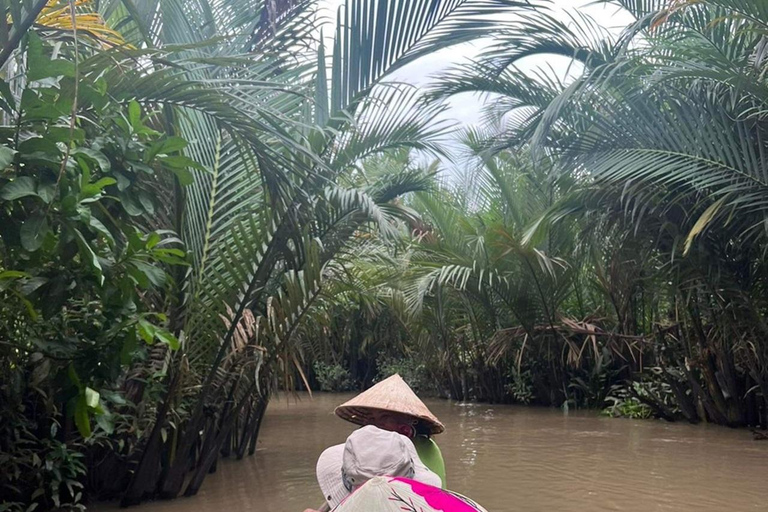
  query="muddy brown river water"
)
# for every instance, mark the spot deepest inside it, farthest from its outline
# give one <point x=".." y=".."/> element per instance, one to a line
<point x="510" y="458"/>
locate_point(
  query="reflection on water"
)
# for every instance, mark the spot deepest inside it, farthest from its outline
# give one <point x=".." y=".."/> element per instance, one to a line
<point x="509" y="459"/>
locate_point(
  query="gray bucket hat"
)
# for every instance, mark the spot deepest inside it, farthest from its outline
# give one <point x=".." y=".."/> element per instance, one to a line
<point x="369" y="452"/>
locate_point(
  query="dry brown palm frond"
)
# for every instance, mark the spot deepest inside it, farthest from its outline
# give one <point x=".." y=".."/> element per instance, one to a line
<point x="579" y="337"/>
<point x="246" y="333"/>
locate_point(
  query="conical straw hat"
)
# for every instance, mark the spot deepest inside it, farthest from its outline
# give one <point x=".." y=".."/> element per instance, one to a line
<point x="392" y="395"/>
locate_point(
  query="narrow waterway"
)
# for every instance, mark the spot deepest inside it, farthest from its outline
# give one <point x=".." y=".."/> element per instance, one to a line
<point x="510" y="459"/>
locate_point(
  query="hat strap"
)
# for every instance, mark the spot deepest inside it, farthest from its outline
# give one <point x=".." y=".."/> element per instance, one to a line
<point x="348" y="483"/>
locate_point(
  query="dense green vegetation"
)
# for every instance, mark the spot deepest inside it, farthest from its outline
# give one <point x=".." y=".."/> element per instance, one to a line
<point x="605" y="243"/>
<point x="202" y="202"/>
<point x="615" y="225"/>
<point x="179" y="182"/>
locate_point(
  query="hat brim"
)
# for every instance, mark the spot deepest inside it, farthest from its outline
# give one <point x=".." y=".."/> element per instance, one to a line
<point x="390" y="395"/>
<point x="329" y="476"/>
<point x="364" y="415"/>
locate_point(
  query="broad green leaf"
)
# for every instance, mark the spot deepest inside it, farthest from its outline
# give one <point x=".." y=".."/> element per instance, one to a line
<point x="106" y="422"/>
<point x="129" y="345"/>
<point x="12" y="274"/>
<point x="185" y="177"/>
<point x="33" y="231"/>
<point x="84" y="213"/>
<point x="181" y="162"/>
<point x="136" y="241"/>
<point x="39" y="145"/>
<point x="7" y="102"/>
<point x="47" y="191"/>
<point x="65" y="134"/>
<point x="91" y="397"/>
<point x="7" y="277"/>
<point x="53" y="68"/>
<point x="93" y="189"/>
<point x="30" y="100"/>
<point x="69" y="204"/>
<point x="164" y="147"/>
<point x="134" y="116"/>
<point x="114" y="397"/>
<point x="173" y="144"/>
<point x="6" y="156"/>
<point x="155" y="274"/>
<point x="22" y="186"/>
<point x="172" y="252"/>
<point x="139" y="277"/>
<point x="122" y="181"/>
<point x="81" y="417"/>
<point x="146" y="331"/>
<point x="73" y="377"/>
<point x="95" y="156"/>
<point x="31" y="311"/>
<point x="99" y="227"/>
<point x="152" y="240"/>
<point x="146" y="202"/>
<point x="40" y="66"/>
<point x="139" y="166"/>
<point x="42" y="104"/>
<point x="171" y="256"/>
<point x="30" y="285"/>
<point x="168" y="338"/>
<point x="88" y="256"/>
<point x="129" y="203"/>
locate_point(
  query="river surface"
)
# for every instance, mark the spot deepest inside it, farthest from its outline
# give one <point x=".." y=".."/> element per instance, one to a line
<point x="510" y="458"/>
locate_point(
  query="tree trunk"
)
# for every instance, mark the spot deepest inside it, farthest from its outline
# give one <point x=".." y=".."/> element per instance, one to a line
<point x="247" y="426"/>
<point x="687" y="405"/>
<point x="209" y="456"/>
<point x="260" y="411"/>
<point x="144" y="480"/>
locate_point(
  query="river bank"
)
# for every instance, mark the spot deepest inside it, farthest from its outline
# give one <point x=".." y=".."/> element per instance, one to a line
<point x="509" y="458"/>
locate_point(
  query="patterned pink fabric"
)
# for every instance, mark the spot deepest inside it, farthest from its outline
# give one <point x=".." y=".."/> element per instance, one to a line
<point x="397" y="494"/>
<point x="437" y="498"/>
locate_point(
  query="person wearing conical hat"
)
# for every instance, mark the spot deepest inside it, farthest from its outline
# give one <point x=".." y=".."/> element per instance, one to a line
<point x="392" y="405"/>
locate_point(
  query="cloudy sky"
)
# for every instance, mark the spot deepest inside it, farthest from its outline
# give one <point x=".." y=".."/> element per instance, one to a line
<point x="466" y="109"/>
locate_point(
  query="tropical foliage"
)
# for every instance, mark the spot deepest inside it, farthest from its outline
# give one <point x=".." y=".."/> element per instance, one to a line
<point x="204" y="202"/>
<point x="183" y="184"/>
<point x="612" y="226"/>
<point x="603" y="243"/>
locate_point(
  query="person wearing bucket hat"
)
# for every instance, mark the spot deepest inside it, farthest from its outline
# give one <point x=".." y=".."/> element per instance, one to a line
<point x="368" y="452"/>
<point x="392" y="405"/>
